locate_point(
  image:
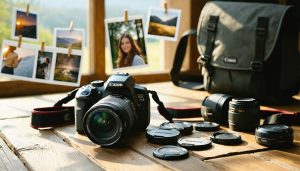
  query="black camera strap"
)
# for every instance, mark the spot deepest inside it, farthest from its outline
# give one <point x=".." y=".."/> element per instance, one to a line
<point x="55" y="116"/>
<point x="59" y="115"/>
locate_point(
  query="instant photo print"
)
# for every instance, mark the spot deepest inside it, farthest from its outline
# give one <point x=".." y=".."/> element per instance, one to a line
<point x="64" y="37"/>
<point x="163" y="25"/>
<point x="24" y="25"/>
<point x="126" y="42"/>
<point x="51" y="66"/>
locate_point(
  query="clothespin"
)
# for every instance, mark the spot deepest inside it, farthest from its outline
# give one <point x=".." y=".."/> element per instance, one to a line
<point x="42" y="47"/>
<point x="27" y="10"/>
<point x="166" y="7"/>
<point x="126" y="16"/>
<point x="71" y="25"/>
<point x="20" y="41"/>
<point x="69" y="50"/>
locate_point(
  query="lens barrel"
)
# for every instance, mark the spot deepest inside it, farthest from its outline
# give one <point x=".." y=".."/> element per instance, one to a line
<point x="108" y="120"/>
<point x="243" y="114"/>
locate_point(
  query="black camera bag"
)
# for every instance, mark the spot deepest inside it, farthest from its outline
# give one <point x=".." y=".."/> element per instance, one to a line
<point x="250" y="50"/>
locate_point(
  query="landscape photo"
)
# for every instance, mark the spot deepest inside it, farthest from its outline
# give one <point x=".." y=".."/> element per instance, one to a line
<point x="25" y="25"/>
<point x="163" y="25"/>
<point x="66" y="37"/>
<point x="43" y="65"/>
<point x="18" y="61"/>
<point x="67" y="68"/>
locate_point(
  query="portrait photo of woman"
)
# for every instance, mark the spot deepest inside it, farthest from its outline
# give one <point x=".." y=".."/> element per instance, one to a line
<point x="126" y="42"/>
<point x="129" y="54"/>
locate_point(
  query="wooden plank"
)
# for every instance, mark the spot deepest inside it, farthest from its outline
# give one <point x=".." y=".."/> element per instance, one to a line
<point x="41" y="150"/>
<point x="22" y="106"/>
<point x="8" y="160"/>
<point x="249" y="162"/>
<point x="139" y="143"/>
<point x="117" y="158"/>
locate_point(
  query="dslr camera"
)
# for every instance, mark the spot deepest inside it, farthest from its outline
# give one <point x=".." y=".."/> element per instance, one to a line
<point x="106" y="111"/>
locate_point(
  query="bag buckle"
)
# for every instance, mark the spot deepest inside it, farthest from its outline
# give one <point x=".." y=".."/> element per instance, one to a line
<point x="256" y="66"/>
<point x="203" y="60"/>
<point x="211" y="26"/>
<point x="260" y="31"/>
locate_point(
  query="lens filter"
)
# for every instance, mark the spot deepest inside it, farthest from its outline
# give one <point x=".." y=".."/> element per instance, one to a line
<point x="207" y="126"/>
<point x="194" y="143"/>
<point x="163" y="136"/>
<point x="171" y="152"/>
<point x="184" y="128"/>
<point x="226" y="138"/>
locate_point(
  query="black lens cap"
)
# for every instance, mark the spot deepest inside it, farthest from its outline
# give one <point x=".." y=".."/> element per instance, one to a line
<point x="163" y="136"/>
<point x="171" y="152"/>
<point x="207" y="126"/>
<point x="184" y="128"/>
<point x="226" y="138"/>
<point x="274" y="135"/>
<point x="194" y="143"/>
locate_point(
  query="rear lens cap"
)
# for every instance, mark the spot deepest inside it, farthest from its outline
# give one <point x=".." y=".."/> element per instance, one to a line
<point x="226" y="138"/>
<point x="184" y="128"/>
<point x="194" y="143"/>
<point x="207" y="126"/>
<point x="171" y="152"/>
<point x="274" y="135"/>
<point x="163" y="136"/>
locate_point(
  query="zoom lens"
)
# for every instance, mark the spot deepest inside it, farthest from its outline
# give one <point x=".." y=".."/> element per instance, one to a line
<point x="243" y="114"/>
<point x="108" y="120"/>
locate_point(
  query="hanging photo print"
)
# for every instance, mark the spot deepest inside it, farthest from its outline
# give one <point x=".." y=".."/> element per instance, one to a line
<point x="24" y="24"/>
<point x="67" y="67"/>
<point x="126" y="42"/>
<point x="163" y="24"/>
<point x="52" y="65"/>
<point x="64" y="37"/>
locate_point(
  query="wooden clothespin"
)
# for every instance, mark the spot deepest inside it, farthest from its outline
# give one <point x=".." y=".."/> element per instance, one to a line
<point x="71" y="25"/>
<point x="27" y="10"/>
<point x="20" y="41"/>
<point x="166" y="7"/>
<point x="69" y="50"/>
<point x="126" y="16"/>
<point x="42" y="47"/>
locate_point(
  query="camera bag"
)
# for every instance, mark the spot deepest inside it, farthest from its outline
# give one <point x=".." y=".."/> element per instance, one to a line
<point x="250" y="50"/>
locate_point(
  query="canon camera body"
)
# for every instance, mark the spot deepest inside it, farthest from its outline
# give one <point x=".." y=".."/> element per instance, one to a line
<point x="105" y="111"/>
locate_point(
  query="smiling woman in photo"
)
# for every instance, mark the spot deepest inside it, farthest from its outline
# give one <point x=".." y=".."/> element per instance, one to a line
<point x="129" y="54"/>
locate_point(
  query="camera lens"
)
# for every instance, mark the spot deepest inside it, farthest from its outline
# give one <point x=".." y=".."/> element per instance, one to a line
<point x="243" y="114"/>
<point x="108" y="120"/>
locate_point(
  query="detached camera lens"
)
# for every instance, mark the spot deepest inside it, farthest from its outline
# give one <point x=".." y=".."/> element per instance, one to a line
<point x="243" y="114"/>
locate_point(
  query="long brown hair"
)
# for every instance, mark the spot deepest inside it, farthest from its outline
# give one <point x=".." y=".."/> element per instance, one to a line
<point x="126" y="59"/>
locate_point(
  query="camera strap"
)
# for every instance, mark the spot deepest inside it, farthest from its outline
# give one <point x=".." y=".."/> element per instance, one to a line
<point x="55" y="116"/>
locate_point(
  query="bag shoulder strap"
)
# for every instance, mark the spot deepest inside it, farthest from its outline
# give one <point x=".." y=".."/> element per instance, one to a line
<point x="177" y="78"/>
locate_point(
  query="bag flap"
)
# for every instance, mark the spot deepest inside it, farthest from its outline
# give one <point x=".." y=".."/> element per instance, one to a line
<point x="235" y="36"/>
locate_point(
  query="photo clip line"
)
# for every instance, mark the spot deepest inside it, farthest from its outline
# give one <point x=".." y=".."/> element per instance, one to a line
<point x="126" y="16"/>
<point x="19" y="41"/>
<point x="42" y="47"/>
<point x="166" y="7"/>
<point x="27" y="9"/>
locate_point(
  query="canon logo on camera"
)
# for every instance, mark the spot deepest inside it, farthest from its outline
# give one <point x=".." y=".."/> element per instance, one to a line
<point x="114" y="84"/>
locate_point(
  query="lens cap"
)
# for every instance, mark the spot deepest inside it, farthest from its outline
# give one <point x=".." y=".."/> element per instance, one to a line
<point x="171" y="152"/>
<point x="274" y="135"/>
<point x="194" y="143"/>
<point x="163" y="136"/>
<point x="226" y="138"/>
<point x="184" y="128"/>
<point x="207" y="126"/>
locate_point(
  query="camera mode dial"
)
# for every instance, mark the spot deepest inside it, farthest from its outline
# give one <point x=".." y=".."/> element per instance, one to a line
<point x="98" y="83"/>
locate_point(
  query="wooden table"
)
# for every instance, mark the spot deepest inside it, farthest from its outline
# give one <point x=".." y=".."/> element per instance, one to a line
<point x="24" y="148"/>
